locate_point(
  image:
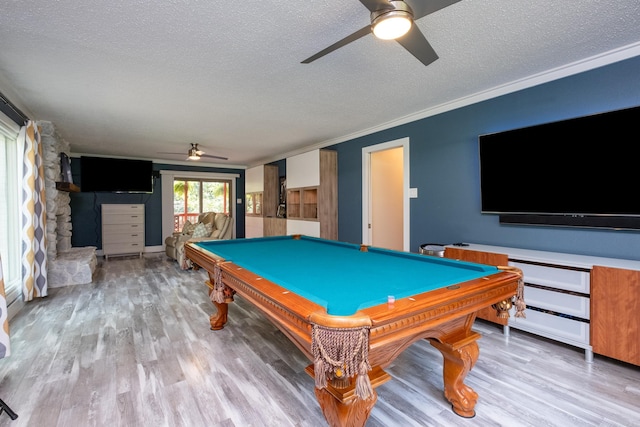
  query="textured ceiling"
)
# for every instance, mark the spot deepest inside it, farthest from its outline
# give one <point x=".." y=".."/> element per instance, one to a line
<point x="136" y="78"/>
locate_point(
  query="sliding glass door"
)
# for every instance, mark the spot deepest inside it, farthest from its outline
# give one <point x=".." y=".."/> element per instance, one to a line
<point x="10" y="208"/>
<point x="193" y="196"/>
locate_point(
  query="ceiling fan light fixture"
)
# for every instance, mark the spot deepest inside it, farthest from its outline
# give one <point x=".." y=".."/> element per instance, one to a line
<point x="193" y="154"/>
<point x="391" y="24"/>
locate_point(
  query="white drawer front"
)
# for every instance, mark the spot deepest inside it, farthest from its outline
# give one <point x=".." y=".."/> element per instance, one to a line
<point x="560" y="278"/>
<point x="122" y="228"/>
<point x="554" y="327"/>
<point x="123" y="219"/>
<point x="123" y="238"/>
<point x="123" y="209"/>
<point x="557" y="301"/>
<point x="122" y="248"/>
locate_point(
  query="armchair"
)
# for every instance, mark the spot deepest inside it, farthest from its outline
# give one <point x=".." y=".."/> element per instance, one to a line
<point x="220" y="228"/>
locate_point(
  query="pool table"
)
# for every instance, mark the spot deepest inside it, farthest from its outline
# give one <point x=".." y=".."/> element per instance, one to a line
<point x="352" y="309"/>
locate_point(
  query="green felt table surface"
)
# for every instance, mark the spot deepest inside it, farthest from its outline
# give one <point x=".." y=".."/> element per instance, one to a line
<point x="338" y="275"/>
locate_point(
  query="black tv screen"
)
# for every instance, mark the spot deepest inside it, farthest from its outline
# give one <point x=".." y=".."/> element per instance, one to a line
<point x="582" y="166"/>
<point x="115" y="175"/>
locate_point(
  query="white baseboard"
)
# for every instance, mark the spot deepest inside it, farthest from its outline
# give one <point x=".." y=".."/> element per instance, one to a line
<point x="147" y="250"/>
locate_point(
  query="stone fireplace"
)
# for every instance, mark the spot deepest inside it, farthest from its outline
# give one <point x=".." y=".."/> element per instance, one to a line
<point x="66" y="265"/>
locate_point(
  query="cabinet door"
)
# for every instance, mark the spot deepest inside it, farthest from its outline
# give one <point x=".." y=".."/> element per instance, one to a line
<point x="615" y="318"/>
<point x="488" y="313"/>
<point x="275" y="226"/>
<point x="303" y="170"/>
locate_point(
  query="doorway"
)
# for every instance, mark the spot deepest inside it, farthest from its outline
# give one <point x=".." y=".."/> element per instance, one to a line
<point x="385" y="207"/>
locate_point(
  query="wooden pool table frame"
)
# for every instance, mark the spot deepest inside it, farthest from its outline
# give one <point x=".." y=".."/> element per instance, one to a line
<point x="444" y="317"/>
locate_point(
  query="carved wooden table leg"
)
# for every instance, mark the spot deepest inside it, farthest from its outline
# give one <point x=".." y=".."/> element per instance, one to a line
<point x="352" y="412"/>
<point x="219" y="319"/>
<point x="340" y="405"/>
<point x="459" y="358"/>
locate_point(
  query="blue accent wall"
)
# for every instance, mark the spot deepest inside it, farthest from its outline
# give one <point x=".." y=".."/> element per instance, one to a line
<point x="444" y="169"/>
<point x="86" y="218"/>
<point x="444" y="166"/>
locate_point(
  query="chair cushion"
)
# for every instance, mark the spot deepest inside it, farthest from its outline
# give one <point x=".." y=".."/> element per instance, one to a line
<point x="202" y="230"/>
<point x="188" y="227"/>
<point x="207" y="217"/>
<point x="220" y="221"/>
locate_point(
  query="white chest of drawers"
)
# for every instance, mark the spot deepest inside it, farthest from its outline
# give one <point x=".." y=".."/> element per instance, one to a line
<point x="122" y="229"/>
<point x="558" y="302"/>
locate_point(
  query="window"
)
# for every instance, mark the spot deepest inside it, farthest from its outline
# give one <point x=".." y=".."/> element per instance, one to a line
<point x="194" y="196"/>
<point x="10" y="207"/>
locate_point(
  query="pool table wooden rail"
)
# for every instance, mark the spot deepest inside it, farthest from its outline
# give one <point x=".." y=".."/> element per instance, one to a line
<point x="445" y="317"/>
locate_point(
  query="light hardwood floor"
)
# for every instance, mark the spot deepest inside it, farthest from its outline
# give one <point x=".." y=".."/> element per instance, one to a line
<point x="134" y="348"/>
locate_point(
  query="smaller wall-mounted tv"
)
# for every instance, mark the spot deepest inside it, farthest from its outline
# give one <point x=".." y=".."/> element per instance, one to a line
<point x="102" y="174"/>
<point x="586" y="166"/>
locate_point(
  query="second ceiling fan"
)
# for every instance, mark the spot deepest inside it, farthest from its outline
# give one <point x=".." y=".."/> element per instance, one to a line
<point x="383" y="12"/>
<point x="194" y="153"/>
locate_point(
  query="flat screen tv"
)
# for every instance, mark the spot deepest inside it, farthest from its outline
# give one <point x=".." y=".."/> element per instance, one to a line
<point x="102" y="174"/>
<point x="585" y="166"/>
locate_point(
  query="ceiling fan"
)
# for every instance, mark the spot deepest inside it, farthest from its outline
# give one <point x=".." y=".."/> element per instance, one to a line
<point x="388" y="12"/>
<point x="194" y="153"/>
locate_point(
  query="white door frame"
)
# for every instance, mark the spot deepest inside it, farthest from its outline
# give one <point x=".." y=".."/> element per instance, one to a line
<point x="366" y="189"/>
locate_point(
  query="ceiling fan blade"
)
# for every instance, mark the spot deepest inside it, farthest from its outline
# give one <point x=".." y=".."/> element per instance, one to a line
<point x="214" y="157"/>
<point x="345" y="41"/>
<point x="423" y="8"/>
<point x="415" y="42"/>
<point x="376" y="5"/>
<point x="164" y="152"/>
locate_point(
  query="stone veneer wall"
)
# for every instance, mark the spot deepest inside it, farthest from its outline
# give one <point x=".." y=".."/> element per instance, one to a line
<point x="67" y="265"/>
<point x="58" y="202"/>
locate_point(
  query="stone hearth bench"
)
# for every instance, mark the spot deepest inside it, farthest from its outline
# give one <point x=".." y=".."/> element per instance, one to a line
<point x="72" y="267"/>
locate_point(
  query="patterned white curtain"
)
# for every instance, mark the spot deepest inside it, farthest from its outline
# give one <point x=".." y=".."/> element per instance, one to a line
<point x="5" y="348"/>
<point x="32" y="212"/>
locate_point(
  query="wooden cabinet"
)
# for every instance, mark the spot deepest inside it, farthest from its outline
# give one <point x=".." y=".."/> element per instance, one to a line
<point x="272" y="224"/>
<point x="253" y="206"/>
<point x="302" y="203"/>
<point x="275" y="226"/>
<point x="556" y="291"/>
<point x="615" y="313"/>
<point x="271" y="194"/>
<point x="262" y="188"/>
<point x="122" y="229"/>
<point x="312" y="194"/>
<point x="585" y="301"/>
<point x="488" y="313"/>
